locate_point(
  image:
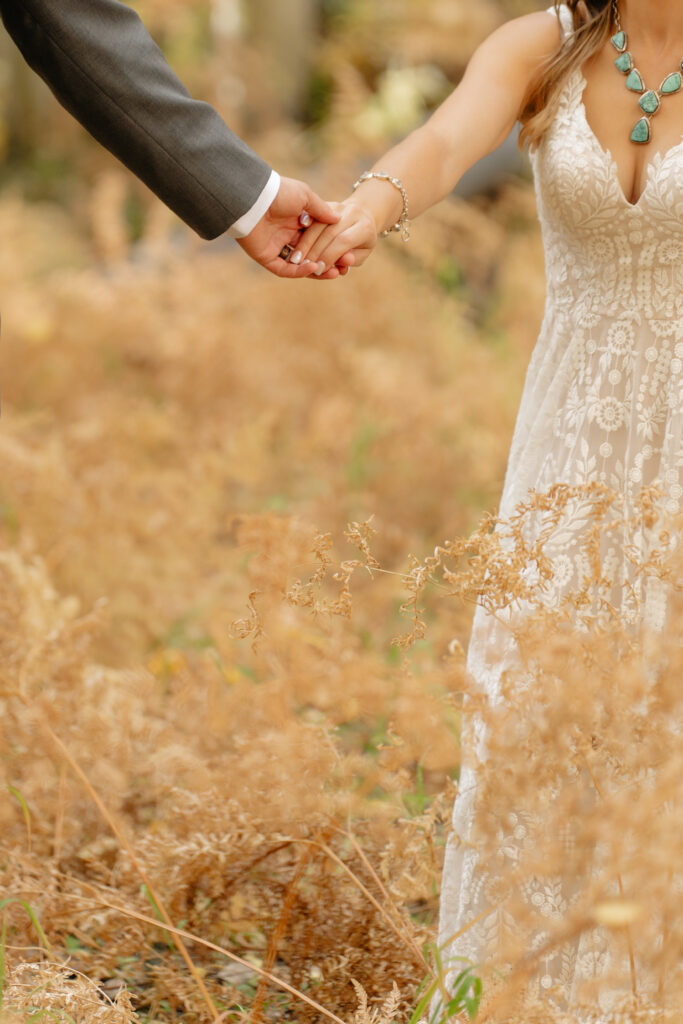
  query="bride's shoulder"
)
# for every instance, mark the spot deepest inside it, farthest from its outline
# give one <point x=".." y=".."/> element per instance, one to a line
<point x="528" y="40"/>
<point x="516" y="52"/>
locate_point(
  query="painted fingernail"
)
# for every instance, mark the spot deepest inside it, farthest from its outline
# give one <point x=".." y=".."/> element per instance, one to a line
<point x="321" y="270"/>
<point x="296" y="257"/>
<point x="306" y="220"/>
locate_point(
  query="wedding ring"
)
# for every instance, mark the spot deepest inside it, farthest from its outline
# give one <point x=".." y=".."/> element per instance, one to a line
<point x="286" y="252"/>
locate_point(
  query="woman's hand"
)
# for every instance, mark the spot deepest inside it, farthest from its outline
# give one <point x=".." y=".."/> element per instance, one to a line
<point x="350" y="241"/>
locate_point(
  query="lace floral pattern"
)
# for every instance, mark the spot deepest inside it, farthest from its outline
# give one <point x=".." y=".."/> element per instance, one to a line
<point x="603" y="402"/>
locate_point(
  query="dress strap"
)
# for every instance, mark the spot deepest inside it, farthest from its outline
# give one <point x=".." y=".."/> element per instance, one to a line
<point x="566" y="19"/>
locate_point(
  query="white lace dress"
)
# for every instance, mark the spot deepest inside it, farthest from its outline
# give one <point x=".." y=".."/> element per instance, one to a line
<point x="603" y="401"/>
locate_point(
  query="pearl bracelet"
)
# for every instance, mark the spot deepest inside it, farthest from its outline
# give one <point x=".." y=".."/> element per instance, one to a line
<point x="403" y="223"/>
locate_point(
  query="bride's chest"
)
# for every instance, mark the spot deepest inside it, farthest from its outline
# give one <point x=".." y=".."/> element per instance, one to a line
<point x="580" y="183"/>
<point x="614" y="113"/>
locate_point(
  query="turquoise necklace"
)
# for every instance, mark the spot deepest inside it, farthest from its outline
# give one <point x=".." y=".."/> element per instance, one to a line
<point x="651" y="99"/>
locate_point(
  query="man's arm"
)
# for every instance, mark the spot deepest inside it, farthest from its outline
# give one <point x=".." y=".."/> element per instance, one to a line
<point x="104" y="68"/>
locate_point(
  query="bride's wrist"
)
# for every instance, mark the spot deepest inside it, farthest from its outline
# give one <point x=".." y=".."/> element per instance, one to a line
<point x="381" y="201"/>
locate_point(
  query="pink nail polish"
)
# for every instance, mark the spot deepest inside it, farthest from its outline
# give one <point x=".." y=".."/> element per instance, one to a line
<point x="305" y="219"/>
<point x="321" y="270"/>
<point x="296" y="257"/>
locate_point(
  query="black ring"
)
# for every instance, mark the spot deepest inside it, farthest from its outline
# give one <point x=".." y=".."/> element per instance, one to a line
<point x="286" y="252"/>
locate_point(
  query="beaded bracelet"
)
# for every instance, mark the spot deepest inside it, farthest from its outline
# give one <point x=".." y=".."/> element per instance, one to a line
<point x="403" y="223"/>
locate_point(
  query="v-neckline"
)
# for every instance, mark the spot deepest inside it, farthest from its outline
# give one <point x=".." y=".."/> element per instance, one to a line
<point x="654" y="164"/>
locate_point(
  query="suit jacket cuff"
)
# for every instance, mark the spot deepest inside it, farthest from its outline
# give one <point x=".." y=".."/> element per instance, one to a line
<point x="246" y="224"/>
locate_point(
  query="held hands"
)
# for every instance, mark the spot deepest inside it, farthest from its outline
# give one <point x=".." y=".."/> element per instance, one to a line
<point x="323" y="239"/>
<point x="295" y="207"/>
<point x="345" y="243"/>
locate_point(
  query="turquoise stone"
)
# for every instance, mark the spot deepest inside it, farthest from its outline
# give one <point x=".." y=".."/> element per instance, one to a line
<point x="641" y="132"/>
<point x="649" y="102"/>
<point x="635" y="82"/>
<point x="624" y="62"/>
<point x="619" y="41"/>
<point x="672" y="83"/>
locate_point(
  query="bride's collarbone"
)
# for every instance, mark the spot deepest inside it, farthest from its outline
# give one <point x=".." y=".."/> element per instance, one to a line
<point x="612" y="111"/>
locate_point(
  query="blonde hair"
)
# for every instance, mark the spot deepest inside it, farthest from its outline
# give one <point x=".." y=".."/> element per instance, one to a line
<point x="593" y="22"/>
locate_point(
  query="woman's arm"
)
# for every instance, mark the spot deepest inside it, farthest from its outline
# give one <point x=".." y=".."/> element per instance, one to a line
<point x="477" y="116"/>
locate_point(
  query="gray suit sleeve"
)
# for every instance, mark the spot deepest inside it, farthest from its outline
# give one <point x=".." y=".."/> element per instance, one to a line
<point x="104" y="68"/>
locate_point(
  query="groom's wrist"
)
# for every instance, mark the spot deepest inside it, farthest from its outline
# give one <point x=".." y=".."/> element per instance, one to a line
<point x="248" y="221"/>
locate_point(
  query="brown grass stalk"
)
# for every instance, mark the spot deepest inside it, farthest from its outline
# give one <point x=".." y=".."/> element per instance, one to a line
<point x="278" y="932"/>
<point x="181" y="933"/>
<point x="99" y="803"/>
<point x="406" y="939"/>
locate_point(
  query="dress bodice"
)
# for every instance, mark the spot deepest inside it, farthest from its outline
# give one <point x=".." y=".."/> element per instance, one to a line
<point x="603" y="399"/>
<point x="605" y="255"/>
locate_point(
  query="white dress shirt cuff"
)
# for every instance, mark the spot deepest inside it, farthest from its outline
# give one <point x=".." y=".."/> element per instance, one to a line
<point x="246" y="224"/>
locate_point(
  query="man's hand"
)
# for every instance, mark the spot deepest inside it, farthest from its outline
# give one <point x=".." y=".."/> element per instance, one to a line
<point x="295" y="207"/>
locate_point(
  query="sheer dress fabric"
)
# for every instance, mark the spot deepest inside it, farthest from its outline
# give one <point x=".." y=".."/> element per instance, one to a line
<point x="602" y="402"/>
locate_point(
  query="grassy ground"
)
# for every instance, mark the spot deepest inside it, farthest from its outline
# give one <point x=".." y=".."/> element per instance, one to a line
<point x="219" y="498"/>
<point x="178" y="429"/>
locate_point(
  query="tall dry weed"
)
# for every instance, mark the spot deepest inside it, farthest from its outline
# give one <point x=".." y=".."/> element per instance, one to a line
<point x="584" y="752"/>
<point x="165" y="454"/>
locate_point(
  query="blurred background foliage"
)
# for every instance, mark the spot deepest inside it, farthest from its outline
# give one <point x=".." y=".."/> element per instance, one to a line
<point x="176" y="427"/>
<point x="94" y="268"/>
<point x="302" y="79"/>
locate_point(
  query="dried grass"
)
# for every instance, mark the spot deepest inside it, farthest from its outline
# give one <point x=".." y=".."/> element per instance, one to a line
<point x="188" y="468"/>
<point x="155" y="469"/>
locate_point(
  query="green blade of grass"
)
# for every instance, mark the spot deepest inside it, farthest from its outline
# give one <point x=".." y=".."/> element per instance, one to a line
<point x="3" y="942"/>
<point x="25" y="811"/>
<point x="157" y="913"/>
<point x="419" y="1010"/>
<point x="33" y="917"/>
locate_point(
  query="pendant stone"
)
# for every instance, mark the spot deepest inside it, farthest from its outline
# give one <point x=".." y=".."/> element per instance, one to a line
<point x="651" y="99"/>
<point x="672" y="83"/>
<point x="635" y="82"/>
<point x="641" y="132"/>
<point x="624" y="62"/>
<point x="649" y="102"/>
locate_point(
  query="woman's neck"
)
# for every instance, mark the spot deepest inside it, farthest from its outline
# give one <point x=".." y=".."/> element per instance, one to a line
<point x="657" y="23"/>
